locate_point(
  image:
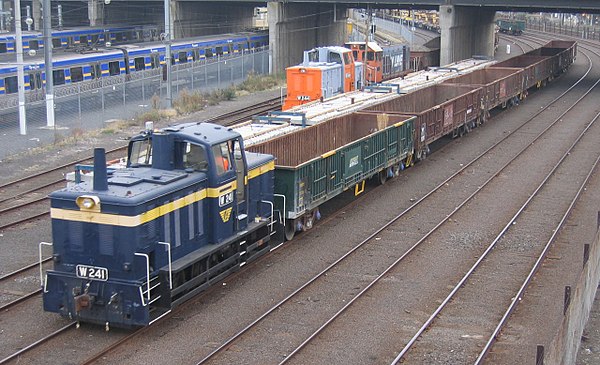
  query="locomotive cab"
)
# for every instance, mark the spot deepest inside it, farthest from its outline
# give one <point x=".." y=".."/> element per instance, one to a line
<point x="190" y="207"/>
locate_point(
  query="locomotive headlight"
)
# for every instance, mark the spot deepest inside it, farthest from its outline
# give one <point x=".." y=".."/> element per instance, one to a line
<point x="88" y="202"/>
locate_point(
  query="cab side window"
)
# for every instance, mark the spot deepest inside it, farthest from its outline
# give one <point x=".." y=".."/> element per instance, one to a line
<point x="194" y="157"/>
<point x="222" y="159"/>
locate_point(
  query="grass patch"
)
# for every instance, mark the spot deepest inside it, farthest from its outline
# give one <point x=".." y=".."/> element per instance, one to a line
<point x="255" y="82"/>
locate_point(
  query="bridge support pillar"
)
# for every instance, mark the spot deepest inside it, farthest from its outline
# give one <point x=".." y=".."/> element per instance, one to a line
<point x="296" y="27"/>
<point x="466" y="31"/>
<point x="205" y="18"/>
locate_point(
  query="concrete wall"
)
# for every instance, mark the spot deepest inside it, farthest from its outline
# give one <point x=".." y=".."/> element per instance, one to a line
<point x="564" y="346"/>
<point x="466" y="31"/>
<point x="294" y="28"/>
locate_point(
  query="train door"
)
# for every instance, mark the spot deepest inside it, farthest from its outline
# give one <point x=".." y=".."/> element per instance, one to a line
<point x="35" y="80"/>
<point x="241" y="170"/>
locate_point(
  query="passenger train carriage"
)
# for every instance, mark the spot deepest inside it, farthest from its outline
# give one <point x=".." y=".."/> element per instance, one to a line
<point x="80" y="69"/>
<point x="80" y="37"/>
<point x="198" y="201"/>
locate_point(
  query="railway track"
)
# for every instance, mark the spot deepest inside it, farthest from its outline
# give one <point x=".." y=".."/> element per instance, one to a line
<point x="218" y="355"/>
<point x="25" y="200"/>
<point x="16" y="284"/>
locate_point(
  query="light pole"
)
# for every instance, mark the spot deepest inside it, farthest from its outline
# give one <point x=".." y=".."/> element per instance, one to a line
<point x="167" y="40"/>
<point x="46" y="13"/>
<point x="20" y="70"/>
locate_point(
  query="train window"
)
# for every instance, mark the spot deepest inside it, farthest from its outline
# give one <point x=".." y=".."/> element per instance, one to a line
<point x="239" y="166"/>
<point x="2" y="47"/>
<point x="347" y="58"/>
<point x="140" y="63"/>
<point x="141" y="152"/>
<point x="242" y="46"/>
<point x="355" y="55"/>
<point x="194" y="157"/>
<point x="76" y="74"/>
<point x="219" y="51"/>
<point x="335" y="57"/>
<point x="119" y="37"/>
<point x="114" y="68"/>
<point x="221" y="155"/>
<point x="95" y="38"/>
<point x="208" y="52"/>
<point x="370" y="56"/>
<point x="11" y="85"/>
<point x="58" y="77"/>
<point x="34" y="44"/>
<point x="56" y="43"/>
<point x="182" y="57"/>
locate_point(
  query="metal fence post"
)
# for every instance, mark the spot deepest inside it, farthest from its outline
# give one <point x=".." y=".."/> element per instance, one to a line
<point x="79" y="101"/>
<point x="192" y="74"/>
<point x="586" y="253"/>
<point x="218" y="72"/>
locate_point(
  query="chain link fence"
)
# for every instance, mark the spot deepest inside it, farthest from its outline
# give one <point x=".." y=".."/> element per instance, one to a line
<point x="90" y="104"/>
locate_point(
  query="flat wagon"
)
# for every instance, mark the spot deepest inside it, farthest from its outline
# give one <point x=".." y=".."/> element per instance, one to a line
<point x="499" y="85"/>
<point x="440" y="110"/>
<point x="318" y="163"/>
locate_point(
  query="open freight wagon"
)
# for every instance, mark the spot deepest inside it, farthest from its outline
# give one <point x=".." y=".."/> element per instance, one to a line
<point x="536" y="69"/>
<point x="440" y="109"/>
<point x="499" y="84"/>
<point x="562" y="52"/>
<point x="318" y="163"/>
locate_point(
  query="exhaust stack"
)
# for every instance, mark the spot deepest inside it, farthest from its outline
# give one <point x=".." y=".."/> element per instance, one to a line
<point x="100" y="174"/>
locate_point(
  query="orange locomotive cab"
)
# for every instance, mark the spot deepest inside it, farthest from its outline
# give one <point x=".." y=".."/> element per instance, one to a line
<point x="372" y="61"/>
<point x="325" y="72"/>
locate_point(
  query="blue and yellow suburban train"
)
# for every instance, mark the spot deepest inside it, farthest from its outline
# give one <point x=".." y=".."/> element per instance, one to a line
<point x="74" y="38"/>
<point x="198" y="201"/>
<point x="125" y="59"/>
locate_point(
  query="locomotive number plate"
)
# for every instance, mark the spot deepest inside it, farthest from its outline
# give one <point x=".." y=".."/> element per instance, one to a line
<point x="91" y="272"/>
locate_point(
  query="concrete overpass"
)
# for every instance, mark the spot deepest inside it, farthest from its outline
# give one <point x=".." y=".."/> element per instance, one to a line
<point x="296" y="25"/>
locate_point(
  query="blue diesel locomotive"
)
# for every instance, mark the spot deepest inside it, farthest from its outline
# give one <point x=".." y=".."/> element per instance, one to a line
<point x="191" y="207"/>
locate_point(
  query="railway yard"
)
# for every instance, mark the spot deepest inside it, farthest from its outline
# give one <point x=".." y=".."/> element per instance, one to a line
<point x="463" y="258"/>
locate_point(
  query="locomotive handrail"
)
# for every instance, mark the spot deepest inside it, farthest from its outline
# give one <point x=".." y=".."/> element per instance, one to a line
<point x="170" y="270"/>
<point x="42" y="282"/>
<point x="272" y="213"/>
<point x="147" y="278"/>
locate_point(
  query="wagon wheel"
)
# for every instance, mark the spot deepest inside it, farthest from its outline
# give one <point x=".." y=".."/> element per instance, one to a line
<point x="382" y="177"/>
<point x="290" y="229"/>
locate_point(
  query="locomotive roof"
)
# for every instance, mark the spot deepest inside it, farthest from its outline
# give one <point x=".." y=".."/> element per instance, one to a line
<point x="204" y="133"/>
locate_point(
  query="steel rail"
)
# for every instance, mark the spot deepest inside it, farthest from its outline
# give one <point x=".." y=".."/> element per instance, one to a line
<point x="37" y="343"/>
<point x="228" y="342"/>
<point x="492" y="245"/>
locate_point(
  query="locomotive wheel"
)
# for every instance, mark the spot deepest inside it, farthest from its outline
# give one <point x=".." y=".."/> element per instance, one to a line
<point x="290" y="230"/>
